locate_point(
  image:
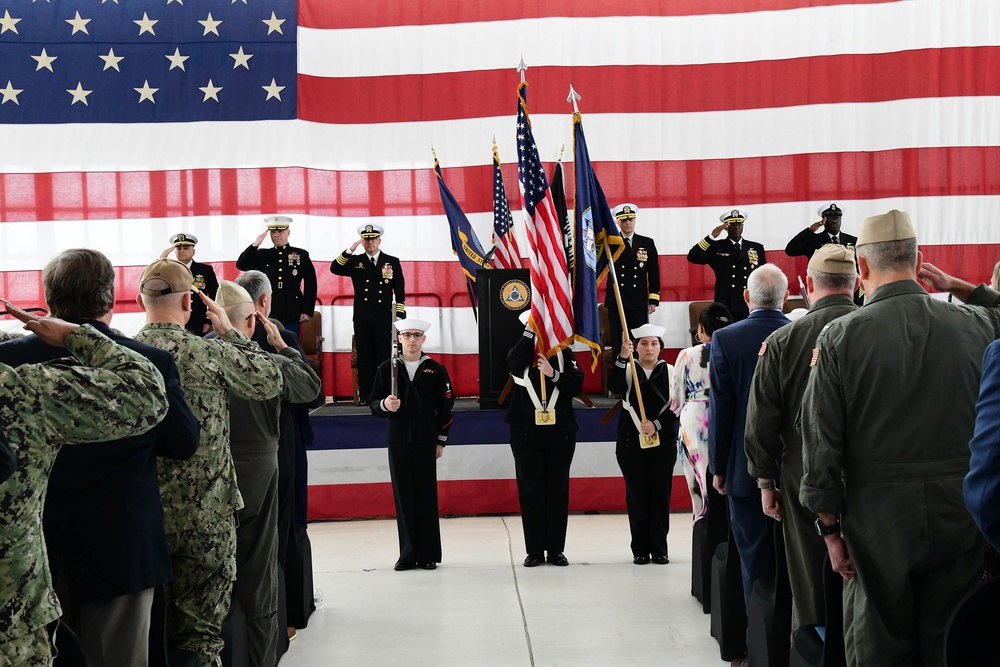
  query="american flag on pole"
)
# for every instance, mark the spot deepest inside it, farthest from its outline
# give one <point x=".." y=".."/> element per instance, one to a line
<point x="551" y="300"/>
<point x="508" y="254"/>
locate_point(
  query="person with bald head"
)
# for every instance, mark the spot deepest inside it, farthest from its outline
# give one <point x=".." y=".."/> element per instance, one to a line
<point x="886" y="419"/>
<point x="254" y="432"/>
<point x="200" y="496"/>
<point x="772" y="443"/>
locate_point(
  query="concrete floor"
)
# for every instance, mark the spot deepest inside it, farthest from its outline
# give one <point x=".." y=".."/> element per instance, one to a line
<point x="482" y="607"/>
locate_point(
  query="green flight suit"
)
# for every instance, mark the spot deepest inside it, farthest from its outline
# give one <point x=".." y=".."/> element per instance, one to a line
<point x="886" y="418"/>
<point x="775" y="395"/>
<point x="103" y="392"/>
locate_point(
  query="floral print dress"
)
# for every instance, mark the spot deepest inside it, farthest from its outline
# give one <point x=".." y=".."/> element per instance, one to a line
<point x="689" y="401"/>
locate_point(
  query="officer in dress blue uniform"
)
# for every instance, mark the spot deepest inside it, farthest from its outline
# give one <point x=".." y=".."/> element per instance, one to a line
<point x="293" y="278"/>
<point x="376" y="276"/>
<point x="810" y="239"/>
<point x="182" y="245"/>
<point x="732" y="260"/>
<point x="638" y="272"/>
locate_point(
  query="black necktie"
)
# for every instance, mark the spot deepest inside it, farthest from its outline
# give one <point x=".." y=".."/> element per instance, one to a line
<point x="373" y="261"/>
<point x="736" y="244"/>
<point x="835" y="239"/>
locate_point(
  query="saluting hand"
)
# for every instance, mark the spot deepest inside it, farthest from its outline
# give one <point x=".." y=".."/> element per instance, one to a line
<point x="814" y="227"/>
<point x="354" y="246"/>
<point x="260" y="239"/>
<point x="273" y="333"/>
<point x="166" y="253"/>
<point x="718" y="230"/>
<point x="935" y="277"/>
<point x="50" y="330"/>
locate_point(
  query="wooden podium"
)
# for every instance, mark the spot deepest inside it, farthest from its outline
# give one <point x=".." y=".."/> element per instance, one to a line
<point x="503" y="294"/>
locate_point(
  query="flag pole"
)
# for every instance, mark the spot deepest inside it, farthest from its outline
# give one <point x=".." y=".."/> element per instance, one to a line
<point x="621" y="314"/>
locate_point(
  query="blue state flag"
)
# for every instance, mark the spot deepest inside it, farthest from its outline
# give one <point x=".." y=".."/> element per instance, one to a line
<point x="464" y="241"/>
<point x="595" y="234"/>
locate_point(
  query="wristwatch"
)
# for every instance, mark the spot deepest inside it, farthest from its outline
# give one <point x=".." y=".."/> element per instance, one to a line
<point x="766" y="485"/>
<point x="823" y="530"/>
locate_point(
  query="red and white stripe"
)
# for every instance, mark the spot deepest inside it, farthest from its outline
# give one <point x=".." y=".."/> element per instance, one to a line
<point x="508" y="255"/>
<point x="774" y="106"/>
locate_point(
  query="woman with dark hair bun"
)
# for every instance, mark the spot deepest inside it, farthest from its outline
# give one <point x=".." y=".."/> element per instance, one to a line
<point x="689" y="401"/>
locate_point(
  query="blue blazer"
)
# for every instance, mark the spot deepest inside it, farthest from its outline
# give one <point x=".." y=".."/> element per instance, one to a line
<point x="982" y="485"/>
<point x="734" y="352"/>
<point x="103" y="519"/>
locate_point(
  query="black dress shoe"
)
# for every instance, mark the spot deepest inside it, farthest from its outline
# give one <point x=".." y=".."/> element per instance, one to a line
<point x="661" y="560"/>
<point x="400" y="566"/>
<point x="427" y="566"/>
<point x="641" y="560"/>
<point x="558" y="559"/>
<point x="533" y="560"/>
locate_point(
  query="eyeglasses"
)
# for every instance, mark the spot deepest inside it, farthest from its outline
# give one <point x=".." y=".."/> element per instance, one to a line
<point x="411" y="335"/>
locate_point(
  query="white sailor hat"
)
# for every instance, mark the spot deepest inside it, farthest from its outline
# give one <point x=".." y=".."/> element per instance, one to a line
<point x="370" y="231"/>
<point x="412" y="324"/>
<point x="625" y="211"/>
<point x="734" y="215"/>
<point x="648" y="330"/>
<point x="831" y="209"/>
<point x="183" y="239"/>
<point x="277" y="223"/>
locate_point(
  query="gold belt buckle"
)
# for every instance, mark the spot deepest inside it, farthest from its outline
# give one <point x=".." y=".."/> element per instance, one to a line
<point x="545" y="418"/>
<point x="647" y="441"/>
<point x="279" y="284"/>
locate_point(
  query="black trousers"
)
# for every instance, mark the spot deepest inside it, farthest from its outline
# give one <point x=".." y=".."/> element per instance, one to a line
<point x="373" y="342"/>
<point x="648" y="477"/>
<point x="413" y="470"/>
<point x="542" y="458"/>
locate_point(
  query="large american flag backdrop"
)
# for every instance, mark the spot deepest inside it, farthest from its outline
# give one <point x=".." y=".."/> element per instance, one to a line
<point x="125" y="121"/>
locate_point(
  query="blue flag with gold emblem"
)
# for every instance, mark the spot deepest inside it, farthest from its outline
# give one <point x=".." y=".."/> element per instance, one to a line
<point x="594" y="234"/>
<point x="464" y="242"/>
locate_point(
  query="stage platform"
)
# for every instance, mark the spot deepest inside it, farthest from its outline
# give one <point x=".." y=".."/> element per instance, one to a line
<point x="349" y="469"/>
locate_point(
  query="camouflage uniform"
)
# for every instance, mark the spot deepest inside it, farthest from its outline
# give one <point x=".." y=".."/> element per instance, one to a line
<point x="43" y="406"/>
<point x="200" y="496"/>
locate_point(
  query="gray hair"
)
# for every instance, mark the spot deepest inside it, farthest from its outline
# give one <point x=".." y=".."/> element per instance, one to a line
<point x="256" y="283"/>
<point x="767" y="286"/>
<point x="79" y="284"/>
<point x="841" y="283"/>
<point x="890" y="255"/>
<point x="995" y="281"/>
